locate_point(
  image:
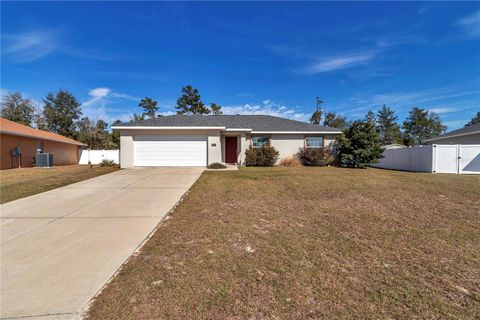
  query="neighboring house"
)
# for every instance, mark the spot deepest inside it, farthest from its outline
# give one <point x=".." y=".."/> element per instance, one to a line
<point x="466" y="135"/>
<point x="15" y="137"/>
<point x="198" y="140"/>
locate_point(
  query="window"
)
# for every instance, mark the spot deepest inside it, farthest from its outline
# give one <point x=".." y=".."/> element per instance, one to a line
<point x="259" y="142"/>
<point x="39" y="147"/>
<point x="314" y="142"/>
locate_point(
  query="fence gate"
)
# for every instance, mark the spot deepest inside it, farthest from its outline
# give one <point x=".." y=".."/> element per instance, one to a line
<point x="469" y="159"/>
<point x="445" y="158"/>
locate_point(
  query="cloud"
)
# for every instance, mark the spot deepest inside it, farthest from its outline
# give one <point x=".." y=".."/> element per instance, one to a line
<point x="29" y="46"/>
<point x="441" y="110"/>
<point x="471" y="24"/>
<point x="269" y="108"/>
<point x="337" y="63"/>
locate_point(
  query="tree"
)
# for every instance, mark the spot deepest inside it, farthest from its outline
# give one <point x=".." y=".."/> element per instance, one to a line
<point x="116" y="134"/>
<point x="474" y="120"/>
<point x="39" y="119"/>
<point x="335" y="121"/>
<point x="370" y="117"/>
<point x="359" y="145"/>
<point x="94" y="134"/>
<point x="421" y="124"/>
<point x="190" y="102"/>
<point x="387" y="126"/>
<point x="316" y="117"/>
<point x="149" y="107"/>
<point x="16" y="108"/>
<point x="60" y="112"/>
<point x="215" y="109"/>
<point x="136" y="117"/>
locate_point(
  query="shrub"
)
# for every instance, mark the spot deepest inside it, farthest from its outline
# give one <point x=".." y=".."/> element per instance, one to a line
<point x="359" y="145"/>
<point x="291" y="161"/>
<point x="315" y="157"/>
<point x="107" y="163"/>
<point x="265" y="156"/>
<point x="216" y="165"/>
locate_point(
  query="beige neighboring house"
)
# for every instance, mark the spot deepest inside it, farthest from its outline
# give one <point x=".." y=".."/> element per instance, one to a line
<point x="466" y="135"/>
<point x="198" y="140"/>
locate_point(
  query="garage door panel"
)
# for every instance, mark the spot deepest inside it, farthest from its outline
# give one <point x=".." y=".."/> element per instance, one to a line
<point x="160" y="150"/>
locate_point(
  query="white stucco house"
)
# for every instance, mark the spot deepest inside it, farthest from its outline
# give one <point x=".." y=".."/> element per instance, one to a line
<point x="466" y="135"/>
<point x="199" y="140"/>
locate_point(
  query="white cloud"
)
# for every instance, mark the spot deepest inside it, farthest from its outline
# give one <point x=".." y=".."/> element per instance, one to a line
<point x="269" y="108"/>
<point x="337" y="63"/>
<point x="471" y="24"/>
<point x="441" y="110"/>
<point x="29" y="46"/>
<point x="99" y="92"/>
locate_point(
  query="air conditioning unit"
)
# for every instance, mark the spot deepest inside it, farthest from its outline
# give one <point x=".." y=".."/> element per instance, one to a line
<point x="44" y="159"/>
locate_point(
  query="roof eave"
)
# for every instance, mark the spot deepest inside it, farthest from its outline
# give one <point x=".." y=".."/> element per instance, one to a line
<point x="452" y="136"/>
<point x="13" y="133"/>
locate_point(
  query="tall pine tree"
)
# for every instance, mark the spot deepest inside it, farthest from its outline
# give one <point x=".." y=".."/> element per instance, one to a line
<point x="16" y="108"/>
<point x="316" y="117"/>
<point x="149" y="107"/>
<point x="421" y="125"/>
<point x="190" y="102"/>
<point x="61" y="111"/>
<point x="387" y="126"/>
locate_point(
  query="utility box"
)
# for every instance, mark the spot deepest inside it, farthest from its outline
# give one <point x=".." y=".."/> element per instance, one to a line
<point x="44" y="159"/>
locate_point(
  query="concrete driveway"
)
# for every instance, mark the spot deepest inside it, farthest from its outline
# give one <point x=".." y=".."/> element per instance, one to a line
<point x="60" y="247"/>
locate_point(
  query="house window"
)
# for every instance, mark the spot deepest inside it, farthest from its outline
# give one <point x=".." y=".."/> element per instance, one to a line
<point x="259" y="142"/>
<point x="39" y="147"/>
<point x="314" y="142"/>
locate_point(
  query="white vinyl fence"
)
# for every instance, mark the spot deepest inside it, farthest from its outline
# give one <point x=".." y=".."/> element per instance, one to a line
<point x="437" y="158"/>
<point x="96" y="156"/>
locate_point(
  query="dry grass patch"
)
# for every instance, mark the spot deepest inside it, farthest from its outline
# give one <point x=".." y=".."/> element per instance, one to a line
<point x="291" y="161"/>
<point x="20" y="183"/>
<point x="309" y="243"/>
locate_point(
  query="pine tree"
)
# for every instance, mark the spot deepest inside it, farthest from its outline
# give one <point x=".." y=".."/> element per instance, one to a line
<point x="16" y="108"/>
<point x="359" y="145"/>
<point x="316" y="117"/>
<point x="216" y="109"/>
<point x="387" y="126"/>
<point x="335" y="121"/>
<point x="474" y="120"/>
<point x="421" y="125"/>
<point x="61" y="110"/>
<point x="370" y="117"/>
<point x="190" y="102"/>
<point x="149" y="107"/>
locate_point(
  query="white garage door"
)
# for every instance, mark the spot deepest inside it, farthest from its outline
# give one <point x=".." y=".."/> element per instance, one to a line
<point x="169" y="150"/>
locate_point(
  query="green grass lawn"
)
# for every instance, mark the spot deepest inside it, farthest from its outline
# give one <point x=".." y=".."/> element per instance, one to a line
<point x="309" y="243"/>
<point x="20" y="183"/>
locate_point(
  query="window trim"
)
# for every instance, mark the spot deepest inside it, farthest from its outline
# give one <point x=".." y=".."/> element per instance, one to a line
<point x="261" y="136"/>
<point x="314" y="147"/>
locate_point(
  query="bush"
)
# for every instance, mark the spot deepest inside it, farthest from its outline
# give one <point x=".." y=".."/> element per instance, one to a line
<point x="107" y="163"/>
<point x="359" y="145"/>
<point x="315" y="157"/>
<point x="291" y="161"/>
<point x="216" y="165"/>
<point x="265" y="156"/>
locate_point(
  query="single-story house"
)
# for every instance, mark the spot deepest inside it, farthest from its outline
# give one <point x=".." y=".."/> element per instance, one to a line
<point x="466" y="135"/>
<point x="20" y="144"/>
<point x="199" y="140"/>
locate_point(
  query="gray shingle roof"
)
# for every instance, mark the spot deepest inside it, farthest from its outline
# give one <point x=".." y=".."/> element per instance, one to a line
<point x="254" y="122"/>
<point x="473" y="128"/>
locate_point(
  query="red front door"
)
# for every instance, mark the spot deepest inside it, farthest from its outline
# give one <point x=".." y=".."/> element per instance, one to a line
<point x="231" y="149"/>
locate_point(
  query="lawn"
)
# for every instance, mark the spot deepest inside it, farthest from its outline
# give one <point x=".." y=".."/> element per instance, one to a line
<point x="20" y="183"/>
<point x="309" y="243"/>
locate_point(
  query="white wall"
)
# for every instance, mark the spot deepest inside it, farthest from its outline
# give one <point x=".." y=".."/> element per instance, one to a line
<point x="433" y="158"/>
<point x="287" y="144"/>
<point x="96" y="156"/>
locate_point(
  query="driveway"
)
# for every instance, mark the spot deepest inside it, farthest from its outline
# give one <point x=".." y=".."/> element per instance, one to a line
<point x="58" y="248"/>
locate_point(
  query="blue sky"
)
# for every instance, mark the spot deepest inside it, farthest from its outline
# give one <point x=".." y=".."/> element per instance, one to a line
<point x="250" y="57"/>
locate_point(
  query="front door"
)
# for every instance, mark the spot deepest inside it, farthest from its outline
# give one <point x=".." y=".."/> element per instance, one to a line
<point x="231" y="149"/>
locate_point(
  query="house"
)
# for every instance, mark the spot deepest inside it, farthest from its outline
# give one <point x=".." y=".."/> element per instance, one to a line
<point x="466" y="135"/>
<point x="20" y="143"/>
<point x="198" y="140"/>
